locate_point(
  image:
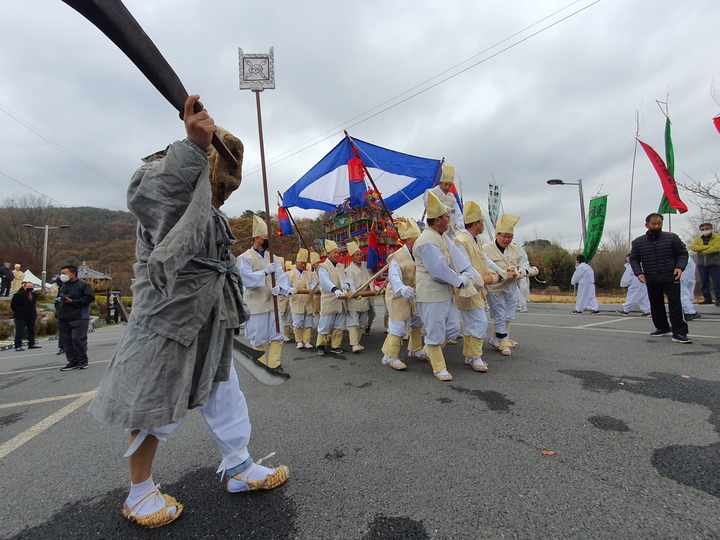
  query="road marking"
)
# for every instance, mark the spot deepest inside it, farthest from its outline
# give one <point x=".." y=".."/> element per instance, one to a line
<point x="692" y="336"/>
<point x="17" y="441"/>
<point x="42" y="400"/>
<point x="46" y="368"/>
<point x="597" y="323"/>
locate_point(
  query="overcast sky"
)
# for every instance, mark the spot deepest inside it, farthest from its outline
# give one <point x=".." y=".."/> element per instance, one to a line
<point x="560" y="104"/>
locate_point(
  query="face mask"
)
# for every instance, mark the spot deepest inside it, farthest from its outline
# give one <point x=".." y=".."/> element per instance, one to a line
<point x="265" y="243"/>
<point x="64" y="278"/>
<point x="706" y="233"/>
<point x="654" y="232"/>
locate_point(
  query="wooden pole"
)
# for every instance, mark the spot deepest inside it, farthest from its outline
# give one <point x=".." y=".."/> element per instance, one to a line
<point x="267" y="204"/>
<point x="294" y="225"/>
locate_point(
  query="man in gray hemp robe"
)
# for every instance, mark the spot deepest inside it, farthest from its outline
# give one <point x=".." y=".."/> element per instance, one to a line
<point x="176" y="353"/>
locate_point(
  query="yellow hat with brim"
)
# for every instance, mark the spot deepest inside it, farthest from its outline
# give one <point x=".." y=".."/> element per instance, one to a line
<point x="506" y="224"/>
<point x="472" y="212"/>
<point x="408" y="229"/>
<point x="448" y="174"/>
<point x="435" y="208"/>
<point x="352" y="248"/>
<point x="330" y="245"/>
<point x="302" y="255"/>
<point x="314" y="257"/>
<point x="259" y="227"/>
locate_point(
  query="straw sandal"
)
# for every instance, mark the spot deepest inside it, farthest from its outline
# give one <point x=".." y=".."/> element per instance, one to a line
<point x="271" y="481"/>
<point x="156" y="519"/>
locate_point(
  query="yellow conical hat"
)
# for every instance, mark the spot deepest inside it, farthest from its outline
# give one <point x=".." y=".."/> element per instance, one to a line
<point x="259" y="227"/>
<point x="302" y="255"/>
<point x="352" y="247"/>
<point x="448" y="174"/>
<point x="408" y="229"/>
<point x="506" y="224"/>
<point x="435" y="208"/>
<point x="314" y="257"/>
<point x="472" y="212"/>
<point x="330" y="245"/>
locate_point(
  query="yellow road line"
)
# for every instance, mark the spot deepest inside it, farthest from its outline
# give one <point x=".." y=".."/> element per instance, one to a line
<point x="17" y="441"/>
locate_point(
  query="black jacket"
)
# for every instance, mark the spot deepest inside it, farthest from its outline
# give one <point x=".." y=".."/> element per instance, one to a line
<point x="6" y="274"/>
<point x="81" y="294"/>
<point x="658" y="257"/>
<point x="22" y="306"/>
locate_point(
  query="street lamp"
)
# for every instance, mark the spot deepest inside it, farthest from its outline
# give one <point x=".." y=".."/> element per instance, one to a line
<point x="47" y="229"/>
<point x="558" y="182"/>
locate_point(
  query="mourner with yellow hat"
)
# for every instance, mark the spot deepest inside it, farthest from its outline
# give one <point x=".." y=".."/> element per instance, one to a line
<point x="357" y="275"/>
<point x="443" y="191"/>
<point x="303" y="281"/>
<point x="333" y="305"/>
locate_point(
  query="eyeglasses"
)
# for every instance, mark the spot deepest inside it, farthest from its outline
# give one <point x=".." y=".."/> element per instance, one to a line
<point x="507" y="236"/>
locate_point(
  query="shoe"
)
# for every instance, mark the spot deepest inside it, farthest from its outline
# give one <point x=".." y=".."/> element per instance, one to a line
<point x="523" y="310"/>
<point x="443" y="375"/>
<point x="279" y="370"/>
<point x="69" y="366"/>
<point x="659" y="332"/>
<point x="596" y="312"/>
<point x="277" y="477"/>
<point x="688" y="317"/>
<point x="705" y="302"/>
<point x="60" y="351"/>
<point x="337" y="350"/>
<point x="507" y="351"/>
<point x="35" y="347"/>
<point x="20" y="349"/>
<point x="451" y="342"/>
<point x="156" y="519"/>
<point x="681" y="338"/>
<point x="576" y="312"/>
<point x="84" y="366"/>
<point x="646" y="314"/>
<point x="286" y="339"/>
<point x="367" y="331"/>
<point x="717" y="303"/>
<point x="622" y="312"/>
<point x="300" y="345"/>
<point x="308" y="346"/>
<point x="393" y="363"/>
<point x="418" y="355"/>
<point x="477" y="364"/>
<point x="357" y="348"/>
<point x="321" y="351"/>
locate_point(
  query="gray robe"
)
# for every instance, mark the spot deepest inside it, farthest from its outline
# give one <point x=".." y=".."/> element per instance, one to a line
<point x="187" y="298"/>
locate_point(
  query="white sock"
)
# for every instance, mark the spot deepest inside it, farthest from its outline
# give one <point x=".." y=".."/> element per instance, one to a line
<point x="254" y="472"/>
<point x="151" y="504"/>
<point x="443" y="372"/>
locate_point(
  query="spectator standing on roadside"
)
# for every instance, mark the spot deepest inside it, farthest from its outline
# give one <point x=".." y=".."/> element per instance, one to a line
<point x="658" y="259"/>
<point x="23" y="305"/>
<point x="73" y="317"/>
<point x="7" y="276"/>
<point x="707" y="246"/>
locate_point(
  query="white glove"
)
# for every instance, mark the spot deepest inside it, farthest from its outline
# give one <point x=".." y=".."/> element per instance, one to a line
<point x="293" y="290"/>
<point x="407" y="292"/>
<point x="339" y="293"/>
<point x="533" y="271"/>
<point x="275" y="290"/>
<point x="469" y="276"/>
<point x="465" y="281"/>
<point x="272" y="268"/>
<point x="346" y="287"/>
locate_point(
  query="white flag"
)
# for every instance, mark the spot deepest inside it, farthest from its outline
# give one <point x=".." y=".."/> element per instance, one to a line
<point x="494" y="196"/>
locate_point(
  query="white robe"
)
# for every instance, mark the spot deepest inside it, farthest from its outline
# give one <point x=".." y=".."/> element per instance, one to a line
<point x="584" y="278"/>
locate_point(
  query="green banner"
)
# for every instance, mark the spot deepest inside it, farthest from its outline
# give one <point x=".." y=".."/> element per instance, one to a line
<point x="665" y="207"/>
<point x="596" y="224"/>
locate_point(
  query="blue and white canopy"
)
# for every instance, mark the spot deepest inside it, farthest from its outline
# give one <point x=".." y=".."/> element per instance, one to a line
<point x="399" y="177"/>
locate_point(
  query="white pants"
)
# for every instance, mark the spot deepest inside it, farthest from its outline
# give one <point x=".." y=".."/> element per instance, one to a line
<point x="399" y="328"/>
<point x="260" y="329"/>
<point x="356" y="318"/>
<point x="687" y="295"/>
<point x="586" y="297"/>
<point x="474" y="322"/>
<point x="329" y="322"/>
<point x="226" y="414"/>
<point x="302" y="321"/>
<point x="637" y="296"/>
<point x="441" y="321"/>
<point x="502" y="308"/>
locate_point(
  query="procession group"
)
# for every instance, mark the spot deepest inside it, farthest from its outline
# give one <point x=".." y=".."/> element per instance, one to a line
<point x="440" y="276"/>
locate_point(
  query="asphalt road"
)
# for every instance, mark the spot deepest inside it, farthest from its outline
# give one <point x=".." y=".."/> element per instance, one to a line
<point x="628" y="423"/>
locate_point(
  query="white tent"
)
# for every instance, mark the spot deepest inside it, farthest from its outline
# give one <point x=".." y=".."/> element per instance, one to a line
<point x="32" y="278"/>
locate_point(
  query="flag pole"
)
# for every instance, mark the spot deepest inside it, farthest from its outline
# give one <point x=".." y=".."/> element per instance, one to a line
<point x="294" y="224"/>
<point x="435" y="183"/>
<point x="267" y="204"/>
<point x="632" y="178"/>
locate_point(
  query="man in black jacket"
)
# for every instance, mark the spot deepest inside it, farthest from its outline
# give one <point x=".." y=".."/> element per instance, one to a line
<point x="23" y="305"/>
<point x="658" y="259"/>
<point x="6" y="277"/>
<point x="72" y="307"/>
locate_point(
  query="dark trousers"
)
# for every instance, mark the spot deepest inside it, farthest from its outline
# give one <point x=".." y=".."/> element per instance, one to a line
<point x="5" y="287"/>
<point x="20" y="326"/>
<point x="74" y="339"/>
<point x="656" y="294"/>
<point x="708" y="273"/>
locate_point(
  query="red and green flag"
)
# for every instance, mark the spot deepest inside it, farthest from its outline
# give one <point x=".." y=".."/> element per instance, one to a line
<point x="667" y="179"/>
<point x="665" y="207"/>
